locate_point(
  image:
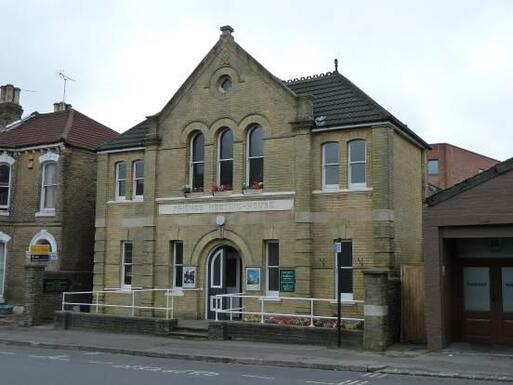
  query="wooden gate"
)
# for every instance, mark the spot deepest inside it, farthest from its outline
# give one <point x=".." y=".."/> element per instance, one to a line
<point x="413" y="323"/>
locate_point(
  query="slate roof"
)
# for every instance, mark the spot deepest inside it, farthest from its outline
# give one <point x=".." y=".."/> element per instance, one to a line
<point x="70" y="127"/>
<point x="467" y="184"/>
<point x="337" y="102"/>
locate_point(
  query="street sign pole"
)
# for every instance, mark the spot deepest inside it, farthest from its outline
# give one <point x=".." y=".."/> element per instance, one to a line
<point x="338" y="249"/>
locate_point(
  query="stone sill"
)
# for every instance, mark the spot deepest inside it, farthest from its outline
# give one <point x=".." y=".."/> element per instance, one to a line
<point x="45" y="213"/>
<point x="4" y="213"/>
<point x="343" y="191"/>
<point x="125" y="201"/>
<point x="252" y="191"/>
<point x="232" y="195"/>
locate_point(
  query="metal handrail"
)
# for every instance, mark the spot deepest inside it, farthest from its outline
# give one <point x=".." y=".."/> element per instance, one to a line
<point x="170" y="295"/>
<point x="262" y="298"/>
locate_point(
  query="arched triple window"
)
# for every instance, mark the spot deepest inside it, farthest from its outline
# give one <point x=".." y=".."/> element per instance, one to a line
<point x="49" y="185"/>
<point x="255" y="160"/>
<point x="197" y="162"/>
<point x="5" y="185"/>
<point x="225" y="159"/>
<point x="357" y="160"/>
<point x="330" y="166"/>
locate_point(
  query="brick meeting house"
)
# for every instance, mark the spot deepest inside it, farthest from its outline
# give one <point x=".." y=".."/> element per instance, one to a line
<point x="242" y="176"/>
<point x="47" y="194"/>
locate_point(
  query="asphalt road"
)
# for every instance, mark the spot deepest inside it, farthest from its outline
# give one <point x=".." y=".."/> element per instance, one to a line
<point x="39" y="366"/>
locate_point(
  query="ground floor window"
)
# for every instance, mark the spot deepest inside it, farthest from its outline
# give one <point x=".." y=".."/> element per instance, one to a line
<point x="273" y="268"/>
<point x="344" y="269"/>
<point x="177" y="258"/>
<point x="2" y="268"/>
<point x="126" y="264"/>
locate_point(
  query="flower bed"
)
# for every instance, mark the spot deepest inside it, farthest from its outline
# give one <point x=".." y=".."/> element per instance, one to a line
<point x="305" y="321"/>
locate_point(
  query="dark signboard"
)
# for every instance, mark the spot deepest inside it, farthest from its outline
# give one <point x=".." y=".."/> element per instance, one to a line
<point x="287" y="280"/>
<point x="56" y="285"/>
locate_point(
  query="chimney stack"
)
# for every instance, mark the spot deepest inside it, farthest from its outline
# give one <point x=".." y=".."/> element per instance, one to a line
<point x="10" y="109"/>
<point x="61" y="106"/>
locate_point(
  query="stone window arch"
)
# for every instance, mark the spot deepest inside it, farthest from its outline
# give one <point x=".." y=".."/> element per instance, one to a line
<point x="45" y="238"/>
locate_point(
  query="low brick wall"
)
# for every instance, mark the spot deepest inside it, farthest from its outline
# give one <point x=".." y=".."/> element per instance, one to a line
<point x="247" y="331"/>
<point x="114" y="323"/>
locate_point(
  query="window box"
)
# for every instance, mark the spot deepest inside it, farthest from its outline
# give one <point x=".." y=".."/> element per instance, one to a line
<point x="46" y="213"/>
<point x="222" y="193"/>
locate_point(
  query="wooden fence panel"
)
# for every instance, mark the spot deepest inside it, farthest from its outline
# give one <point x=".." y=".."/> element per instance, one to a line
<point x="413" y="323"/>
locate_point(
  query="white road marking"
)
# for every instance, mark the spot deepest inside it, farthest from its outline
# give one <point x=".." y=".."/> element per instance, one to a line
<point x="345" y="382"/>
<point x="101" y="362"/>
<point x="92" y="353"/>
<point x="8" y="353"/>
<point x="321" y="383"/>
<point x="188" y="372"/>
<point x="383" y="375"/>
<point x="58" y="358"/>
<point x="260" y="377"/>
<point x="366" y="374"/>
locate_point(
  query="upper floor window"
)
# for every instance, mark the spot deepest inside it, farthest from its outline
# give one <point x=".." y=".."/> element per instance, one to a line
<point x="433" y="167"/>
<point x="255" y="163"/>
<point x="5" y="185"/>
<point x="357" y="159"/>
<point x="120" y="181"/>
<point x="197" y="164"/>
<point x="330" y="166"/>
<point x="49" y="185"/>
<point x="225" y="160"/>
<point x="138" y="185"/>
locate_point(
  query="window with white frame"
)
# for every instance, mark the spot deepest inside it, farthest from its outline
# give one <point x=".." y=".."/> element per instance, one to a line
<point x="330" y="166"/>
<point x="273" y="268"/>
<point x="344" y="270"/>
<point x="255" y="161"/>
<point x="138" y="179"/>
<point x="357" y="159"/>
<point x="126" y="264"/>
<point x="197" y="162"/>
<point x="177" y="255"/>
<point x="49" y="186"/>
<point x="225" y="160"/>
<point x="121" y="171"/>
<point x="5" y="185"/>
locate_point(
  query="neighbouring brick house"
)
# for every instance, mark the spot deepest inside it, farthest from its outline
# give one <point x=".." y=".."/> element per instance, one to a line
<point x="244" y="175"/>
<point x="47" y="192"/>
<point x="449" y="164"/>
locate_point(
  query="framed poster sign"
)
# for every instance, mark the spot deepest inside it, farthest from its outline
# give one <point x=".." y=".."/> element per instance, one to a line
<point x="189" y="277"/>
<point x="253" y="279"/>
<point x="287" y="280"/>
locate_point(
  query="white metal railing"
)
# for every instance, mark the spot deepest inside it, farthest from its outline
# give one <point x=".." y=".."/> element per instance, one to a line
<point x="217" y="306"/>
<point x="96" y="304"/>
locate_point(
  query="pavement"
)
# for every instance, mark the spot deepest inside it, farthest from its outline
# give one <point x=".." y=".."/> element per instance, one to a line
<point x="457" y="361"/>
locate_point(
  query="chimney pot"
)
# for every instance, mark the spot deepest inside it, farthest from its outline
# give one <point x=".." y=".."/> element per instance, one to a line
<point x="10" y="109"/>
<point x="61" y="106"/>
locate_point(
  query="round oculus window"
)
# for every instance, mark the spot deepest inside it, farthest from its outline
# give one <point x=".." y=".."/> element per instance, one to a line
<point x="225" y="83"/>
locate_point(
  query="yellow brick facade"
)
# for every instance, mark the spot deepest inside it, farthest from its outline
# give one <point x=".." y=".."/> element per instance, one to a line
<point x="383" y="220"/>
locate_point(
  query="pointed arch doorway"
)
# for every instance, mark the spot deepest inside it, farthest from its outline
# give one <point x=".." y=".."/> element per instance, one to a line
<point x="224" y="276"/>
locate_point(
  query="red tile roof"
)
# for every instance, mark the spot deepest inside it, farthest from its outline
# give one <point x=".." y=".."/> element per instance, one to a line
<point x="70" y="127"/>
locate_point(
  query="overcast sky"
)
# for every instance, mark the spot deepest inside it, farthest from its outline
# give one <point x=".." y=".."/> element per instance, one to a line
<point x="445" y="68"/>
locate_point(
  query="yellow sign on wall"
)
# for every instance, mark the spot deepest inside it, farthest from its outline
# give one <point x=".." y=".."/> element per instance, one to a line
<point x="40" y="250"/>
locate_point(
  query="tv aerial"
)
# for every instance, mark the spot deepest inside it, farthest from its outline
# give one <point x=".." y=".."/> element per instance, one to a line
<point x="65" y="78"/>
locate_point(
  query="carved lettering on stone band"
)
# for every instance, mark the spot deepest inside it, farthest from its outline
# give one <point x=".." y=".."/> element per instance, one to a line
<point x="226" y="207"/>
